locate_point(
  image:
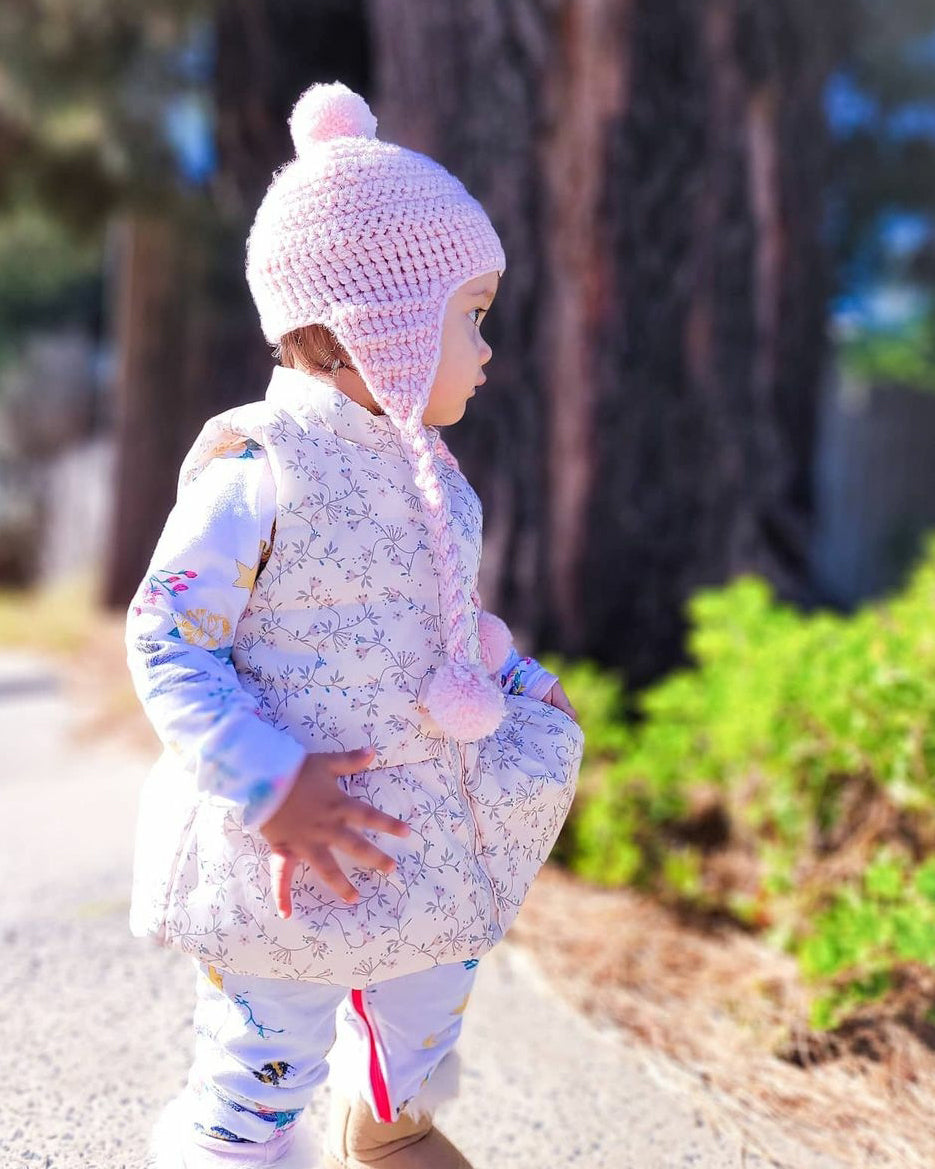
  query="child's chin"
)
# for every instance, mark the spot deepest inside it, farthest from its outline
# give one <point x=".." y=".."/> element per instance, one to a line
<point x="455" y="414"/>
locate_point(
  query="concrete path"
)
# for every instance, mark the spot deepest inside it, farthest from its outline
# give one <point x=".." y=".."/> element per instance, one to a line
<point x="96" y="1025"/>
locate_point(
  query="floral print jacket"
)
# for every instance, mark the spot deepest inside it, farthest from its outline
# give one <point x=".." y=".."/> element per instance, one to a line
<point x="291" y="606"/>
<point x="186" y="623"/>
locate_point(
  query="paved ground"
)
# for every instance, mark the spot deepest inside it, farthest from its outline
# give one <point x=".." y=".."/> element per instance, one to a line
<point x="95" y="1024"/>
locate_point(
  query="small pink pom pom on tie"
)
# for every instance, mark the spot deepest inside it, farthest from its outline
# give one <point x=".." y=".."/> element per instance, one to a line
<point x="329" y="111"/>
<point x="495" y="640"/>
<point x="464" y="702"/>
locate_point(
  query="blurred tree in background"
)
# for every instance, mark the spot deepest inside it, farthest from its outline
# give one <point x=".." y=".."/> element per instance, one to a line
<point x="675" y="213"/>
<point x="84" y="94"/>
<point x="881" y="103"/>
<point x="100" y="117"/>
<point x="187" y="318"/>
<point x="658" y="171"/>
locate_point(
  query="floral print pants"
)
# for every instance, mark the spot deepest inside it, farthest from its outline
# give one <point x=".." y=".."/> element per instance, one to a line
<point x="261" y="1046"/>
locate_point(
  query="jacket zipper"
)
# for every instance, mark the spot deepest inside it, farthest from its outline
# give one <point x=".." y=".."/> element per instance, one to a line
<point x="381" y="1095"/>
<point x="468" y="803"/>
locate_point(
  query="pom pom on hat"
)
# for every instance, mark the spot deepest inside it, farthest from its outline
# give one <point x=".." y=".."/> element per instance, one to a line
<point x="329" y="111"/>
<point x="495" y="640"/>
<point x="464" y="702"/>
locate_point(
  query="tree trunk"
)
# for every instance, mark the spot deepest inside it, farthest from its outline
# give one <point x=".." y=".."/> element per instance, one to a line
<point x="656" y="175"/>
<point x="161" y="343"/>
<point x="187" y="333"/>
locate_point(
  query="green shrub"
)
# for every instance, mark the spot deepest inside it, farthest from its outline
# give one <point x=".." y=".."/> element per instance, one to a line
<point x="868" y="930"/>
<point x="813" y="734"/>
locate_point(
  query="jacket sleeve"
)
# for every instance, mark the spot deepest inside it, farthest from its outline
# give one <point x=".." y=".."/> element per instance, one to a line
<point x="180" y="633"/>
<point x="524" y="675"/>
<point x="516" y="674"/>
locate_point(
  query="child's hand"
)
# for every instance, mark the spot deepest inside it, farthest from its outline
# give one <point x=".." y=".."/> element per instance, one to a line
<point x="557" y="697"/>
<point x="317" y="816"/>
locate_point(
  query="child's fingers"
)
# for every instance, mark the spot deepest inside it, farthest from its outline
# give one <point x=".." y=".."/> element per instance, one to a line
<point x="565" y="705"/>
<point x="347" y="762"/>
<point x="330" y="872"/>
<point x="281" y="869"/>
<point x="362" y="850"/>
<point x="559" y="698"/>
<point x="363" y="815"/>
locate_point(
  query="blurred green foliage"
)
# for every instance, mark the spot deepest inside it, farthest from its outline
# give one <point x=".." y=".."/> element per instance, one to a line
<point x="904" y="357"/>
<point x="46" y="276"/>
<point x="84" y="88"/>
<point x="811" y="738"/>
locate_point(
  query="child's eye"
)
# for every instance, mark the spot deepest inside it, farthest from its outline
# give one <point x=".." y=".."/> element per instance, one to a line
<point x="478" y="310"/>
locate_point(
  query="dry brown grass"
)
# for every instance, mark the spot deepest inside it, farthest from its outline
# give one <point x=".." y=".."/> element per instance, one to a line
<point x="731" y="1013"/>
<point x="65" y="624"/>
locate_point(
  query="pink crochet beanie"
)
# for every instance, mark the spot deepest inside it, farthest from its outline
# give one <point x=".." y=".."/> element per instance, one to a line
<point x="371" y="239"/>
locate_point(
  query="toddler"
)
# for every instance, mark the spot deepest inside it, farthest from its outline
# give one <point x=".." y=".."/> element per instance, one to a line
<point x="361" y="776"/>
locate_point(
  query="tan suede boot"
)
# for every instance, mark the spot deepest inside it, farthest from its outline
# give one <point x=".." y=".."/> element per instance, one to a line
<point x="357" y="1141"/>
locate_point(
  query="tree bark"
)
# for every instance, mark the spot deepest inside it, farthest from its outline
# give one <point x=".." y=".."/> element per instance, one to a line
<point x="656" y="174"/>
<point x="188" y="337"/>
<point x="161" y="344"/>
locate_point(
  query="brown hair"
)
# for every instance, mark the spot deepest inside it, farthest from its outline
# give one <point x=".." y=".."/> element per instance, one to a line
<point x="314" y="348"/>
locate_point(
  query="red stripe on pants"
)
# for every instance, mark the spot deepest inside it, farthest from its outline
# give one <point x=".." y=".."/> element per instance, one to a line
<point x="381" y="1096"/>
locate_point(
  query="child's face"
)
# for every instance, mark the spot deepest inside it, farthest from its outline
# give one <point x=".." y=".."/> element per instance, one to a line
<point x="464" y="351"/>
